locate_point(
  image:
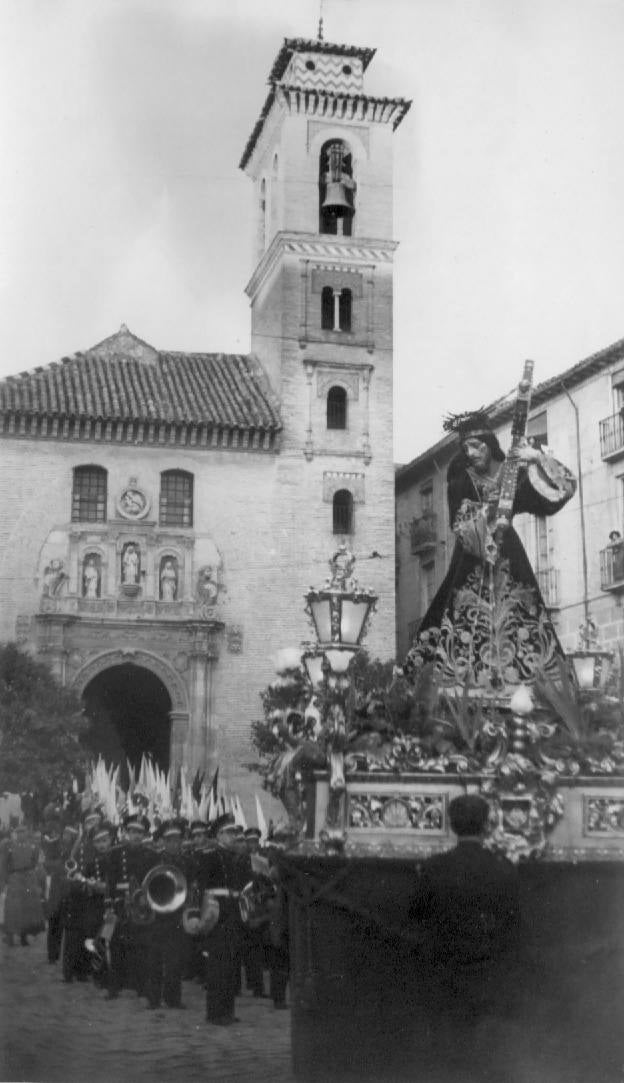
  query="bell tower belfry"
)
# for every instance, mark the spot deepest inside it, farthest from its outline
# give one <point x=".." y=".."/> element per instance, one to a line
<point x="321" y="293"/>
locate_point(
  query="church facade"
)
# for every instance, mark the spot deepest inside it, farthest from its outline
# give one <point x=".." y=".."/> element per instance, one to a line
<point x="164" y="513"/>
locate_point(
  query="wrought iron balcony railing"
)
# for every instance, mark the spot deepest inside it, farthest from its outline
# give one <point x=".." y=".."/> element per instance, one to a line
<point x="612" y="567"/>
<point x="548" y="579"/>
<point x="612" y="436"/>
<point x="424" y="532"/>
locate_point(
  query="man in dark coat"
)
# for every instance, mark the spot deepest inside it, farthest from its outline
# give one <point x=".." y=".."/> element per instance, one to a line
<point x="221" y="872"/>
<point x="167" y="942"/>
<point x="468" y="905"/>
<point x="129" y="863"/>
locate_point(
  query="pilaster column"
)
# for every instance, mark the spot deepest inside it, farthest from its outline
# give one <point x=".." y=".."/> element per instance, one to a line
<point x="366" y="447"/>
<point x="337" y="294"/>
<point x="303" y="304"/>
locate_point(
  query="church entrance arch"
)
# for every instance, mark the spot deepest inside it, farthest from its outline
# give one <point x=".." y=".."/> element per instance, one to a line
<point x="129" y="698"/>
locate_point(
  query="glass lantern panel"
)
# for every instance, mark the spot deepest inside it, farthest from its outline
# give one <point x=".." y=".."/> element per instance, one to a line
<point x="352" y="620"/>
<point x="584" y="669"/>
<point x="339" y="660"/>
<point x="321" y="615"/>
<point x="314" y="667"/>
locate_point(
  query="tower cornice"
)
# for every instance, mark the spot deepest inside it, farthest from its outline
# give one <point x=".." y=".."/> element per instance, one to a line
<point x="326" y="105"/>
<point x="342" y="251"/>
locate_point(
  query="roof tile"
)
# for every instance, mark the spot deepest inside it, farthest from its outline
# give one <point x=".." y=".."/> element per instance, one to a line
<point x="221" y="390"/>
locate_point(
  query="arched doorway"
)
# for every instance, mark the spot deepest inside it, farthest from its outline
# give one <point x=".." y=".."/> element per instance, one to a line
<point x="128" y="708"/>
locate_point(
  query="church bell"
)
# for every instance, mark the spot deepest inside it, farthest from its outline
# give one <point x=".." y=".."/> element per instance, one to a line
<point x="336" y="202"/>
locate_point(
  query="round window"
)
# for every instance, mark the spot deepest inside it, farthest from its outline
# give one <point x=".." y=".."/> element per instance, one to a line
<point x="347" y="69"/>
<point x="310" y="65"/>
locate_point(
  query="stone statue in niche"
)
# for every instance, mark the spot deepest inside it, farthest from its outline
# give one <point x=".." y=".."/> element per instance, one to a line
<point x="54" y="576"/>
<point x="168" y="579"/>
<point x="91" y="577"/>
<point x="130" y="564"/>
<point x="207" y="586"/>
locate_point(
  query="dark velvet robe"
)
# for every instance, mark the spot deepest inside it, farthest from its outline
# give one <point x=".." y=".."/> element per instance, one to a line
<point x="487" y="622"/>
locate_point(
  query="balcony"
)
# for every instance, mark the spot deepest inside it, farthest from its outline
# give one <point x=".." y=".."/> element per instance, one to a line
<point x="548" y="580"/>
<point x="424" y="533"/>
<point x="612" y="567"/>
<point x="612" y="436"/>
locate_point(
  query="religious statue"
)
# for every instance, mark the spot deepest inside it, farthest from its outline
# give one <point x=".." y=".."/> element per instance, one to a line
<point x="207" y="588"/>
<point x="91" y="578"/>
<point x="54" y="576"/>
<point x="130" y="564"/>
<point x="169" y="580"/>
<point x="487" y="626"/>
<point x="341" y="567"/>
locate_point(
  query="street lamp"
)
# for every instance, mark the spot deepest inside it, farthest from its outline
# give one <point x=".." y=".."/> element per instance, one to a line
<point x="339" y="612"/>
<point x="591" y="663"/>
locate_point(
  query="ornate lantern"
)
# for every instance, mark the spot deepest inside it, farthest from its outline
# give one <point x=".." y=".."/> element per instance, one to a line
<point x="592" y="664"/>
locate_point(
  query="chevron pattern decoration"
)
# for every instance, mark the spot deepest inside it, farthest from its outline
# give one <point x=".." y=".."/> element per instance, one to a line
<point x="331" y="73"/>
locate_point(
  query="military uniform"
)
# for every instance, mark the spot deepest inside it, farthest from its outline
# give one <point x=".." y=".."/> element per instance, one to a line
<point x="221" y="872"/>
<point x="76" y="962"/>
<point x="167" y="942"/>
<point x="129" y="863"/>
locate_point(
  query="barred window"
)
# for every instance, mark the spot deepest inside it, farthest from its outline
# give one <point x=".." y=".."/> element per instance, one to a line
<point x="343" y="512"/>
<point x="176" y="498"/>
<point x="89" y="494"/>
<point x="336" y="408"/>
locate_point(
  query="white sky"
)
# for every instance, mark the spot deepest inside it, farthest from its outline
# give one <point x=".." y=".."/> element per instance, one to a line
<point x="122" y="123"/>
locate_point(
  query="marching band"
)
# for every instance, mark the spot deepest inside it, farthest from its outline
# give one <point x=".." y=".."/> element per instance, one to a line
<point x="138" y="909"/>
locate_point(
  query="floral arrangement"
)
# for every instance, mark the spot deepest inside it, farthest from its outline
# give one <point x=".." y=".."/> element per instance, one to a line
<point x="395" y="725"/>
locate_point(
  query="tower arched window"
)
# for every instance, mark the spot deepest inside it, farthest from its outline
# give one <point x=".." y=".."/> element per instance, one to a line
<point x="344" y="307"/>
<point x="335" y="309"/>
<point x="343" y="512"/>
<point x="327" y="308"/>
<point x="336" y="408"/>
<point x="176" y="498"/>
<point x="336" y="188"/>
<point x="89" y="494"/>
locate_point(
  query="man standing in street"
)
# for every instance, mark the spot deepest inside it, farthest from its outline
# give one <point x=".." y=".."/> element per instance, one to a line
<point x="468" y="906"/>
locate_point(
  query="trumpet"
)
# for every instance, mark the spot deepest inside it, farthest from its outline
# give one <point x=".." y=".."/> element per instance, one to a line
<point x="74" y="876"/>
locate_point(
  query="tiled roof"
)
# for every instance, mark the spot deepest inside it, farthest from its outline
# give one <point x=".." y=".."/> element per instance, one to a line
<point x="138" y="384"/>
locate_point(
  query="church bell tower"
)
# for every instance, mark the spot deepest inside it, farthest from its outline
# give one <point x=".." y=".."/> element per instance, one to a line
<point x="321" y="293"/>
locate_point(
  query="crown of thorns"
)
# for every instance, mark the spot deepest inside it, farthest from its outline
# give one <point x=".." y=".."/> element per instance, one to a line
<point x="471" y="421"/>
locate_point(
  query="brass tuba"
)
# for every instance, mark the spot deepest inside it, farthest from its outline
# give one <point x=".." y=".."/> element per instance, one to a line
<point x="165" y="888"/>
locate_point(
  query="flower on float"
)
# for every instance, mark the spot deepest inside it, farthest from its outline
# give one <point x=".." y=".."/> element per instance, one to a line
<point x="521" y="703"/>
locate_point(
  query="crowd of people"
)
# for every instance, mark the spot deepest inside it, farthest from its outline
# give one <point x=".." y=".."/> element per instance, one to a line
<point x="131" y="908"/>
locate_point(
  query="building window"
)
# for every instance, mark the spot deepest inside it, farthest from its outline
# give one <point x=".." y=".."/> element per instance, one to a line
<point x="537" y="430"/>
<point x="89" y="495"/>
<point x="176" y="498"/>
<point x="336" y="189"/>
<point x="336" y="408"/>
<point x="327" y="309"/>
<point x="345" y="310"/>
<point x="335" y="309"/>
<point x="343" y="512"/>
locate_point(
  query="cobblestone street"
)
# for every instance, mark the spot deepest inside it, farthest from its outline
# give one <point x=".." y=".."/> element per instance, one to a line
<point x="53" y="1032"/>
